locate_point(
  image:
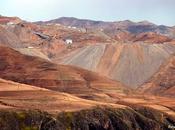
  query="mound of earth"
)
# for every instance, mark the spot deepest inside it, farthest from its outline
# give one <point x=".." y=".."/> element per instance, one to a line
<point x="131" y="64"/>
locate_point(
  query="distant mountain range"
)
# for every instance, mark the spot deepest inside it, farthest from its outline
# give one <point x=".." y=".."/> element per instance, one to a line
<point x="127" y="25"/>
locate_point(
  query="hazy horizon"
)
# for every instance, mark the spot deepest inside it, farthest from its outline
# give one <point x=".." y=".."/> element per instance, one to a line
<point x="160" y="12"/>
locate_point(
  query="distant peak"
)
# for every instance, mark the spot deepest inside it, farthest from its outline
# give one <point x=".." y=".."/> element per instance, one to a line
<point x="145" y="22"/>
<point x="125" y="21"/>
<point x="67" y="18"/>
<point x="129" y="21"/>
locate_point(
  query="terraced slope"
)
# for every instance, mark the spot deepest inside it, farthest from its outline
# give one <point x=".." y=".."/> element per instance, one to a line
<point x="18" y="104"/>
<point x="54" y="78"/>
<point x="131" y="64"/>
<point x="16" y="96"/>
<point x="39" y="72"/>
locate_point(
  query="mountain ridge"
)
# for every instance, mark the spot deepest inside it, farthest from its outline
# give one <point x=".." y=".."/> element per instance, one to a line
<point x="134" y="27"/>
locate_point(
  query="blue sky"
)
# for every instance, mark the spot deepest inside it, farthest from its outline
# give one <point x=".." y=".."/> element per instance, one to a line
<point x="156" y="11"/>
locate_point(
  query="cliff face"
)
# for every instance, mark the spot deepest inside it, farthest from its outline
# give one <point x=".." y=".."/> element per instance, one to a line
<point x="95" y="119"/>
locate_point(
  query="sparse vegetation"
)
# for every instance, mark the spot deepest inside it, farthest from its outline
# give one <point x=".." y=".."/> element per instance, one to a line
<point x="93" y="119"/>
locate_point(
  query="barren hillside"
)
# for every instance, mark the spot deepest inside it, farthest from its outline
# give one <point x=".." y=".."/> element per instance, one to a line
<point x="131" y="64"/>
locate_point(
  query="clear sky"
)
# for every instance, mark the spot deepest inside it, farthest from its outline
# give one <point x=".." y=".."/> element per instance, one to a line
<point x="156" y="11"/>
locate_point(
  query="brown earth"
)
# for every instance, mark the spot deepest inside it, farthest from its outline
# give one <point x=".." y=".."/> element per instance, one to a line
<point x="132" y="63"/>
<point x="54" y="79"/>
<point x="163" y="82"/>
<point x="151" y="38"/>
<point x="16" y="96"/>
<point x="39" y="72"/>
